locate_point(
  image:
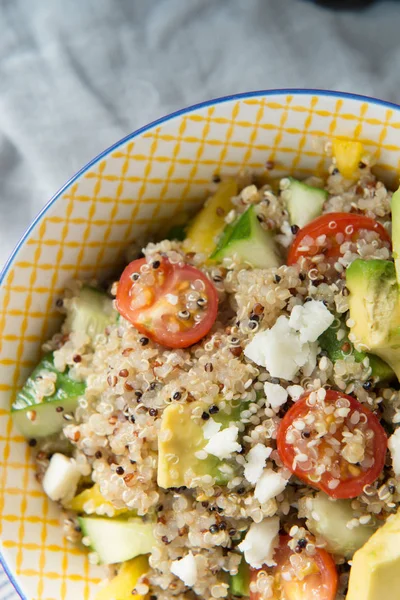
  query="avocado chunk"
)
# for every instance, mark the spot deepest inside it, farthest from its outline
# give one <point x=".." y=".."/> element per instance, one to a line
<point x="90" y="312"/>
<point x="340" y="349"/>
<point x="117" y="540"/>
<point x="181" y="438"/>
<point x="239" y="584"/>
<point x="395" y="204"/>
<point x="328" y="519"/>
<point x="304" y="202"/>
<point x="375" y="571"/>
<point x="122" y="585"/>
<point x="37" y="414"/>
<point x="375" y="310"/>
<point x="91" y="501"/>
<point x="248" y="242"/>
<point x="204" y="229"/>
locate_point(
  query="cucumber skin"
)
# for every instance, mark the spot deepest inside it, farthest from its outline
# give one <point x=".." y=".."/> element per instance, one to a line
<point x="329" y="342"/>
<point x="239" y="584"/>
<point x="242" y="237"/>
<point x="295" y="208"/>
<point x="91" y="310"/>
<point x="48" y="420"/>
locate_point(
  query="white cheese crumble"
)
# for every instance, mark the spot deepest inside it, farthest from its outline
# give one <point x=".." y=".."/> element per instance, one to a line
<point x="310" y="320"/>
<point x="185" y="569"/>
<point x="275" y="394"/>
<point x="211" y="428"/>
<point x="394" y="447"/>
<point x="255" y="462"/>
<point x="295" y="391"/>
<point x="291" y="343"/>
<point x="270" y="485"/>
<point x="61" y="478"/>
<point x="223" y="443"/>
<point x="260" y="542"/>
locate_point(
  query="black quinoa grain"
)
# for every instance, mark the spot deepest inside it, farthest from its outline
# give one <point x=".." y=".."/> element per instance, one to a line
<point x="222" y="526"/>
<point x="135" y="276"/>
<point x="132" y="419"/>
<point x="252" y="324"/>
<point x="216" y="178"/>
<point x="177" y="396"/>
<point x="156" y="264"/>
<point x="232" y="532"/>
<point x="275" y="380"/>
<point x="165" y="540"/>
<point x="295" y="229"/>
<point x="306" y="434"/>
<point x="153" y="412"/>
<point x="391" y="488"/>
<point x="213" y="410"/>
<point x="367" y="385"/>
<point x="302" y="543"/>
<point x="77" y="529"/>
<point x="269" y="165"/>
<point x="205" y="416"/>
<point x="205" y="504"/>
<point x="59" y="302"/>
<point x="241" y="490"/>
<point x="335" y="171"/>
<point x="160" y="508"/>
<point x="209" y="368"/>
<point x="302" y="277"/>
<point x="59" y="409"/>
<point x="144" y="341"/>
<point x="214" y="529"/>
<point x="138" y="394"/>
<point x="323" y="353"/>
<point x="153" y="385"/>
<point x="32" y="443"/>
<point x="120" y="470"/>
<point x="361" y="165"/>
<point x="98" y="454"/>
<point x="254" y="317"/>
<point x="77" y="358"/>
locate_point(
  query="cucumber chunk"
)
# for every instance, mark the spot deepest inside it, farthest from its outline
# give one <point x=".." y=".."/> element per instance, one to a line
<point x="338" y="350"/>
<point x="36" y="415"/>
<point x="90" y="311"/>
<point x="117" y="540"/>
<point x="328" y="518"/>
<point x="304" y="202"/>
<point x="239" y="584"/>
<point x="247" y="241"/>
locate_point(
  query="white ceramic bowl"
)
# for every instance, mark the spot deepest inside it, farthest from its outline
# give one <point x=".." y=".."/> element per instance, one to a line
<point x="135" y="189"/>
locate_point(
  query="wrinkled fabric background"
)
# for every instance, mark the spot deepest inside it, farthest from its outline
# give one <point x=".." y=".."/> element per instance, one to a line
<point x="76" y="76"/>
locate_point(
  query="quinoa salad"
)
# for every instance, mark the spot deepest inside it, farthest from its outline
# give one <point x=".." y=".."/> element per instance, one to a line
<point x="221" y="421"/>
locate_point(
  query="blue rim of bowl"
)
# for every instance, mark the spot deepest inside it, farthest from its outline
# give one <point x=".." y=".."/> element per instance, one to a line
<point x="136" y="133"/>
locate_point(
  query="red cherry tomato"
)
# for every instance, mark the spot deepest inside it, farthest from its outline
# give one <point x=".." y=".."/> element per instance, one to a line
<point x="337" y="229"/>
<point x="309" y="577"/>
<point x="335" y="444"/>
<point x="173" y="304"/>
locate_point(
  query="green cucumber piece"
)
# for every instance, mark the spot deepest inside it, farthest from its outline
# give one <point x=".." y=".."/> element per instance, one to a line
<point x="90" y="311"/>
<point x="328" y="518"/>
<point x="117" y="540"/>
<point x="38" y="417"/>
<point x="304" y="202"/>
<point x="380" y="370"/>
<point x="239" y="584"/>
<point x="249" y="242"/>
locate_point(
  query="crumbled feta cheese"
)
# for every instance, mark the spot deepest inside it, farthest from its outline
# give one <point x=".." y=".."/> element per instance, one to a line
<point x="223" y="443"/>
<point x="275" y="394"/>
<point x="211" y="428"/>
<point x="172" y="299"/>
<point x="260" y="541"/>
<point x="295" y="391"/>
<point x="61" y="478"/>
<point x="255" y="462"/>
<point x="280" y="350"/>
<point x="394" y="447"/>
<point x="185" y="569"/>
<point x="270" y="485"/>
<point x="310" y="320"/>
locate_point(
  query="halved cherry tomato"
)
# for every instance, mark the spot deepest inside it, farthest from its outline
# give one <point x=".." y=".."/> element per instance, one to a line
<point x="173" y="304"/>
<point x="334" y="443"/>
<point x="346" y="226"/>
<point x="300" y="575"/>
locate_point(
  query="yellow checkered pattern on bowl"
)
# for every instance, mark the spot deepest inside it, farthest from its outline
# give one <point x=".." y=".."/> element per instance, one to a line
<point x="133" y="192"/>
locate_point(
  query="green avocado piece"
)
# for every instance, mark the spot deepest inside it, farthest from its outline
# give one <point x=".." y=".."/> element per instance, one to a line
<point x="375" y="309"/>
<point x="375" y="571"/>
<point x="239" y="584"/>
<point x="181" y="437"/>
<point x="339" y="350"/>
<point x="246" y="240"/>
<point x="37" y="416"/>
